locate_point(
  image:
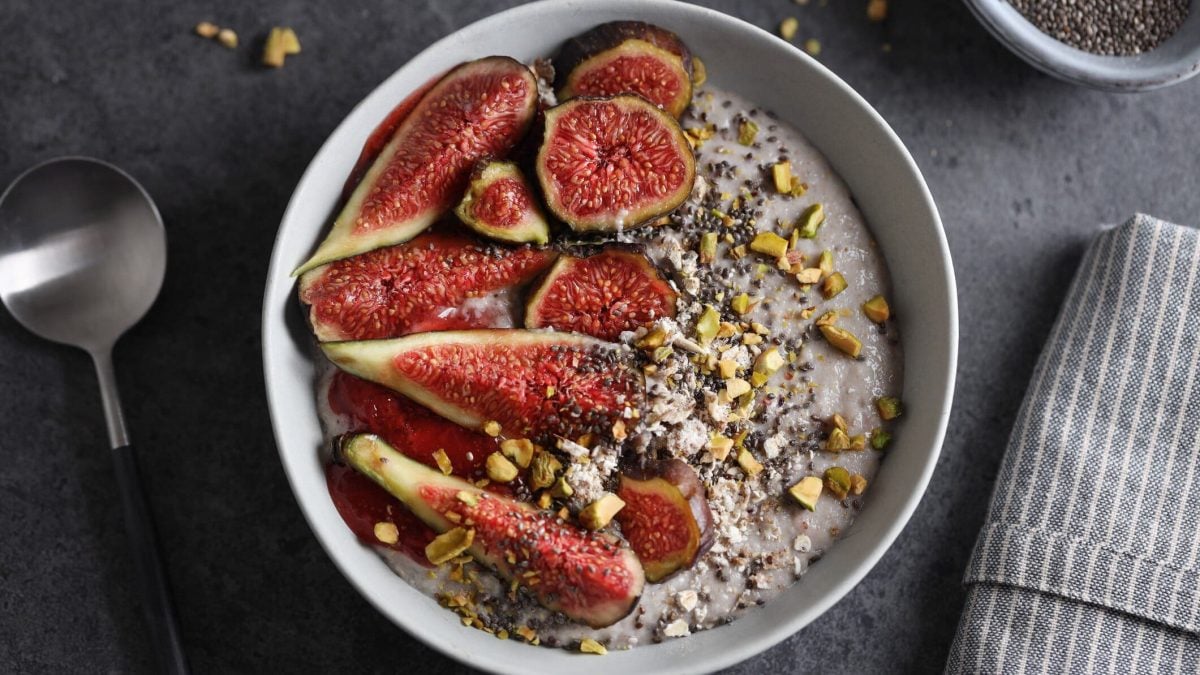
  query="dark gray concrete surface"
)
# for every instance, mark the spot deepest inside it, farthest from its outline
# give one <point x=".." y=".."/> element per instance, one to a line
<point x="1022" y="167"/>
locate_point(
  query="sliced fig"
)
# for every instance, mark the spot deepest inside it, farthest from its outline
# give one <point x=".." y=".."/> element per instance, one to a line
<point x="533" y="384"/>
<point x="407" y="288"/>
<point x="499" y="203"/>
<point x="608" y="164"/>
<point x="602" y="295"/>
<point x="627" y="57"/>
<point x="479" y="109"/>
<point x="666" y="516"/>
<point x="589" y="576"/>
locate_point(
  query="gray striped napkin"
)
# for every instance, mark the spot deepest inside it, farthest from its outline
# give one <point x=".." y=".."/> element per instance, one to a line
<point x="1088" y="561"/>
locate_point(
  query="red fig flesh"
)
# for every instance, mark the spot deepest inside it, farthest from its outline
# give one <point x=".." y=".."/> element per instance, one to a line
<point x="394" y="291"/>
<point x="534" y="384"/>
<point x="666" y="517"/>
<point x="591" y="577"/>
<point x="500" y="204"/>
<point x="608" y="164"/>
<point x="481" y="108"/>
<point x="602" y="295"/>
<point x="627" y="57"/>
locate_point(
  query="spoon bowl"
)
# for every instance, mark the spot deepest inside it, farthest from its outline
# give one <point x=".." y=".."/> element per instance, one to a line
<point x="82" y="251"/>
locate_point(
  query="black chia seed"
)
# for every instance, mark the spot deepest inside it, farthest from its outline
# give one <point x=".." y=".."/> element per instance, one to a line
<point x="1106" y="27"/>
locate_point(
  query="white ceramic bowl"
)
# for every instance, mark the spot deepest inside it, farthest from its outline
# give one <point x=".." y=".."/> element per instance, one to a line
<point x="891" y="193"/>
<point x="1172" y="62"/>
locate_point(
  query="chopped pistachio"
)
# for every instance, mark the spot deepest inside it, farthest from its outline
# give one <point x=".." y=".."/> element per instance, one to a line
<point x="769" y="361"/>
<point x="749" y="464"/>
<point x="759" y="328"/>
<point x="769" y="243"/>
<point x="738" y="252"/>
<point x="707" y="325"/>
<point x="843" y="340"/>
<point x="858" y="442"/>
<point x="858" y="484"/>
<point x="600" y="513"/>
<point x="443" y="461"/>
<point x="387" y="533"/>
<point x="273" y="50"/>
<point x="827" y="319"/>
<point x="653" y="339"/>
<point x="810" y="275"/>
<point x="807" y="491"/>
<point x="760" y="271"/>
<point x="500" y="469"/>
<point x="811" y="220"/>
<point x="781" y="172"/>
<point x="590" y="646"/>
<point x="727" y="368"/>
<point x="699" y="72"/>
<point x="206" y="29"/>
<point x="834" y="283"/>
<point x="837" y="481"/>
<point x="467" y="497"/>
<point x="562" y="489"/>
<point x="662" y="353"/>
<point x="747" y="132"/>
<point x="544" y="500"/>
<point x="837" y="441"/>
<point x="618" y="430"/>
<point x="751" y="339"/>
<point x="877" y="309"/>
<point x="788" y="28"/>
<point x="543" y="470"/>
<point x="519" y="450"/>
<point x="825" y="263"/>
<point x="708" y="247"/>
<point x="880" y="438"/>
<point x="889" y="407"/>
<point x="735" y="387"/>
<point x="719" y="445"/>
<point x="727" y="329"/>
<point x="228" y="38"/>
<point x="812" y="46"/>
<point x="758" y="379"/>
<point x="491" y="428"/>
<point x="449" y="545"/>
<point x="836" y="421"/>
<point x="798" y="188"/>
<point x="740" y="303"/>
<point x="794" y="238"/>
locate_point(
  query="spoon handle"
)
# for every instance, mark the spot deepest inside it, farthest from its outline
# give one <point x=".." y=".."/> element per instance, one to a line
<point x="157" y="606"/>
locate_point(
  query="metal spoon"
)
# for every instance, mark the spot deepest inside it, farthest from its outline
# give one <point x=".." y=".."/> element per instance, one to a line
<point x="82" y="257"/>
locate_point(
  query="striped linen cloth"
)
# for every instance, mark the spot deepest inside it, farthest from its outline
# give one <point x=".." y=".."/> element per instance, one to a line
<point x="1090" y="557"/>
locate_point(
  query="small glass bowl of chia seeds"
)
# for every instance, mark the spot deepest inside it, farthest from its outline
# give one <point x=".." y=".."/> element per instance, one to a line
<point x="1118" y="45"/>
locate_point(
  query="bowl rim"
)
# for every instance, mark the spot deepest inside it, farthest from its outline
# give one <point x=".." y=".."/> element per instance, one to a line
<point x="280" y="290"/>
<point x="1132" y="73"/>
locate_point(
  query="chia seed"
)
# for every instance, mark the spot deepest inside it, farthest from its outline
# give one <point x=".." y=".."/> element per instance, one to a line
<point x="1106" y="27"/>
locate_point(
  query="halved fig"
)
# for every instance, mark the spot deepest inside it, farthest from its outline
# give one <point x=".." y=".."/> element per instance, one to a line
<point x="411" y="287"/>
<point x="532" y="384"/>
<point x="499" y="203"/>
<point x="602" y="295"/>
<point x="609" y="164"/>
<point x="627" y="57"/>
<point x="479" y="109"/>
<point x="666" y="516"/>
<point x="589" y="576"/>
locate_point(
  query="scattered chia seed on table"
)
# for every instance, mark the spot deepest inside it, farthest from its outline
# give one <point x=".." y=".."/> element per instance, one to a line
<point x="1106" y="27"/>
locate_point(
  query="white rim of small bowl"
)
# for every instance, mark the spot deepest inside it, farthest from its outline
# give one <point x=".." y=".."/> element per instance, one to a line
<point x="1141" y="72"/>
<point x="281" y="361"/>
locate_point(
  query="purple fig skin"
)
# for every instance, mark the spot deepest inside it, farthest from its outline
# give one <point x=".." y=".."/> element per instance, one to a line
<point x="680" y="474"/>
<point x="609" y="35"/>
